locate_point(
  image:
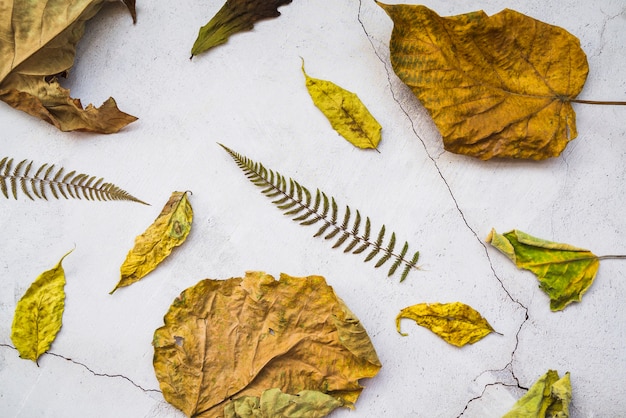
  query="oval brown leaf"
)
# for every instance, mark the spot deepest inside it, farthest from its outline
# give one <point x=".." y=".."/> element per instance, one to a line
<point x="225" y="340"/>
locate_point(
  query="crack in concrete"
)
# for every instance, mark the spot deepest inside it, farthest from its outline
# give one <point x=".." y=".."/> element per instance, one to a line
<point x="90" y="370"/>
<point x="509" y="365"/>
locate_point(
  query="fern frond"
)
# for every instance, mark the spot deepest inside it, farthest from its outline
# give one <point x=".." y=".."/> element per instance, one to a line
<point x="294" y="199"/>
<point x="46" y="178"/>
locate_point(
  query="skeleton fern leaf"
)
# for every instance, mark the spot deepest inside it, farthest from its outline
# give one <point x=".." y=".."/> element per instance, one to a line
<point x="297" y="202"/>
<point x="36" y="184"/>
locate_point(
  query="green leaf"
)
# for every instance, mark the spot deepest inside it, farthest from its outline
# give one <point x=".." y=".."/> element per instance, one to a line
<point x="457" y="323"/>
<point x="234" y="16"/>
<point x="39" y="313"/>
<point x="548" y="397"/>
<point x="345" y="112"/>
<point x="564" y="272"/>
<point x="275" y="403"/>
<point x="169" y="230"/>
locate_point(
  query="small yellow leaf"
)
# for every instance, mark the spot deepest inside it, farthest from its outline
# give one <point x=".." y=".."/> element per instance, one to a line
<point x="169" y="230"/>
<point x="549" y="397"/>
<point x="226" y="343"/>
<point x="564" y="272"/>
<point x="495" y="86"/>
<point x="345" y="112"/>
<point x="39" y="313"/>
<point x="456" y="323"/>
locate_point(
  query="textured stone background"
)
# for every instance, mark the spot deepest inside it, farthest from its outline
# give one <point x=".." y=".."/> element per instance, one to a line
<point x="249" y="94"/>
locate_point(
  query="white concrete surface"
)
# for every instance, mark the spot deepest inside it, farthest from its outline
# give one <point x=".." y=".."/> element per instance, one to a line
<point x="249" y="94"/>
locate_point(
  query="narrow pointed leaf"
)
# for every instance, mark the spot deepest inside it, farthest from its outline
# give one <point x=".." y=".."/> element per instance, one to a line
<point x="457" y="323"/>
<point x="234" y="16"/>
<point x="169" y="230"/>
<point x="495" y="86"/>
<point x="564" y="272"/>
<point x="549" y="396"/>
<point x="230" y="341"/>
<point x="39" y="313"/>
<point x="345" y="111"/>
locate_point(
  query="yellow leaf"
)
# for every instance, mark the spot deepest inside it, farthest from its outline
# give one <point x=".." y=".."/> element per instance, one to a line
<point x="169" y="230"/>
<point x="548" y="397"/>
<point x="457" y="323"/>
<point x="345" y="112"/>
<point x="496" y="86"/>
<point x="564" y="272"/>
<point x="39" y="313"/>
<point x="226" y="342"/>
<point x="274" y="403"/>
<point x="37" y="45"/>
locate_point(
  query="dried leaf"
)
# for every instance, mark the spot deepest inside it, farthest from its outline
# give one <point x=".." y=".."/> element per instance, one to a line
<point x="169" y="230"/>
<point x="548" y="397"/>
<point x="565" y="272"/>
<point x="234" y="16"/>
<point x="457" y="323"/>
<point x="225" y="341"/>
<point x="37" y="44"/>
<point x="496" y="86"/>
<point x="39" y="313"/>
<point x="273" y="402"/>
<point x="345" y="112"/>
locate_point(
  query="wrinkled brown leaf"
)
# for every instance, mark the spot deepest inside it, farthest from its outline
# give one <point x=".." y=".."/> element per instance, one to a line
<point x="496" y="86"/>
<point x="37" y="45"/>
<point x="224" y="340"/>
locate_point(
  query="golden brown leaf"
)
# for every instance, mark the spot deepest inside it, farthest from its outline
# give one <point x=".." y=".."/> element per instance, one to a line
<point x="457" y="323"/>
<point x="225" y="340"/>
<point x="169" y="230"/>
<point x="496" y="86"/>
<point x="37" y="45"/>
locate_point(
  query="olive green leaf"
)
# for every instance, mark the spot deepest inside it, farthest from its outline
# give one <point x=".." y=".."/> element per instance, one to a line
<point x="297" y="202"/>
<point x="275" y="403"/>
<point x="234" y="16"/>
<point x="39" y="313"/>
<point x="345" y="112"/>
<point x="37" y="46"/>
<point x="35" y="184"/>
<point x="169" y="230"/>
<point x="548" y="397"/>
<point x="565" y="272"/>
<point x="226" y="343"/>
<point x="457" y="323"/>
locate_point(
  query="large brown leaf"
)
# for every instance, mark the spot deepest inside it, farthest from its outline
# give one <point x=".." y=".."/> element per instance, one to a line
<point x="225" y="340"/>
<point x="496" y="86"/>
<point x="37" y="45"/>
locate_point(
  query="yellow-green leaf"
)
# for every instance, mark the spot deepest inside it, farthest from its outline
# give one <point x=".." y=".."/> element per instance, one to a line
<point x="39" y="313"/>
<point x="37" y="46"/>
<point x="234" y="16"/>
<point x="495" y="86"/>
<point x="457" y="323"/>
<point x="564" y="272"/>
<point x="345" y="112"/>
<point x="275" y="403"/>
<point x="169" y="230"/>
<point x="230" y="341"/>
<point x="548" y="397"/>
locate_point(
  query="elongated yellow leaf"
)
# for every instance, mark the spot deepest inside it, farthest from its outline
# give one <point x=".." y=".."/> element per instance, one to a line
<point x="564" y="272"/>
<point x="39" y="313"/>
<point x="548" y="397"/>
<point x="169" y="230"/>
<point x="231" y="341"/>
<point x="495" y="86"/>
<point x="345" y="112"/>
<point x="457" y="323"/>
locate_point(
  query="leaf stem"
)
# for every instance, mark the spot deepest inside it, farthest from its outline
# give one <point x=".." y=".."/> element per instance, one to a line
<point x="612" y="256"/>
<point x="595" y="102"/>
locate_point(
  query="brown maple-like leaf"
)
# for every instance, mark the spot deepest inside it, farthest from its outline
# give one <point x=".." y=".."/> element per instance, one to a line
<point x="496" y="86"/>
<point x="234" y="16"/>
<point x="37" y="45"/>
<point x="229" y="342"/>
